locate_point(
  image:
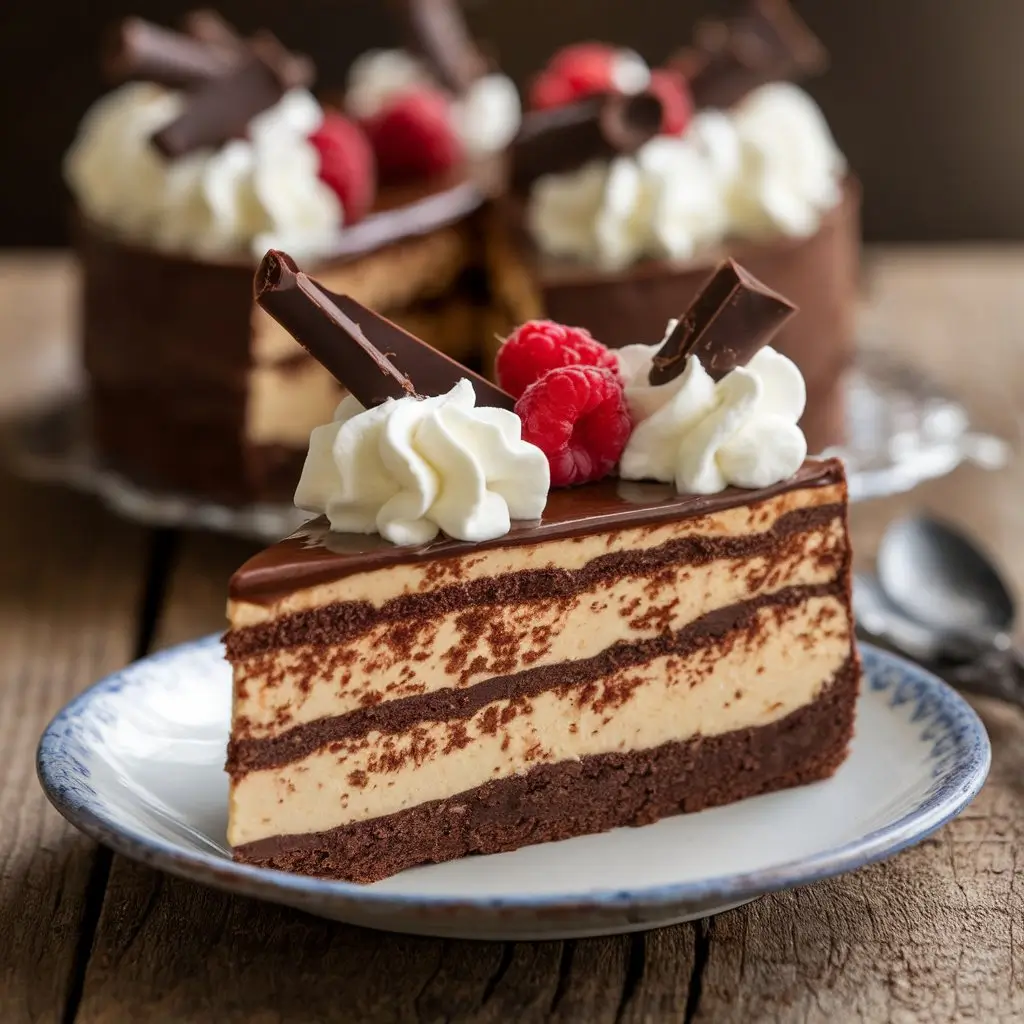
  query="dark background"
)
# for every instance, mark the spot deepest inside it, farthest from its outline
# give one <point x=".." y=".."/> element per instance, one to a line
<point x="924" y="96"/>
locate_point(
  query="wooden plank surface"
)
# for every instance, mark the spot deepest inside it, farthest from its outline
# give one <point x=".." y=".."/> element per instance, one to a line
<point x="936" y="934"/>
<point x="69" y="601"/>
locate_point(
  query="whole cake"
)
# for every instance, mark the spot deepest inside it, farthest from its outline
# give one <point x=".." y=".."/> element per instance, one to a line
<point x="212" y="149"/>
<point x="618" y="217"/>
<point x="614" y="592"/>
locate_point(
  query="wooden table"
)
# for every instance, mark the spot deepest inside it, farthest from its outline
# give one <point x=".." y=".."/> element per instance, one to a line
<point x="936" y="934"/>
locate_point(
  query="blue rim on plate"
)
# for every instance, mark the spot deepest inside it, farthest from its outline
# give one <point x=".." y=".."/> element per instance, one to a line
<point x="960" y="757"/>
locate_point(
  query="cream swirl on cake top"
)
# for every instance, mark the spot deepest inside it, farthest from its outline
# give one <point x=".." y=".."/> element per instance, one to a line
<point x="768" y="166"/>
<point x="702" y="435"/>
<point x="249" y="194"/>
<point x="411" y="468"/>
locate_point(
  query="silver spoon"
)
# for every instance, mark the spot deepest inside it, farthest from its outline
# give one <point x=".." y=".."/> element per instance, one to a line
<point x="934" y="575"/>
<point x="883" y="622"/>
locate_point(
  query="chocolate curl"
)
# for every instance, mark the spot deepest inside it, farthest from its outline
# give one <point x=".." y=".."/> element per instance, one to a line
<point x="732" y="318"/>
<point x="307" y="312"/>
<point x="767" y="42"/>
<point x="436" y="30"/>
<point x="598" y="127"/>
<point x="368" y="354"/>
<point x="137" y="49"/>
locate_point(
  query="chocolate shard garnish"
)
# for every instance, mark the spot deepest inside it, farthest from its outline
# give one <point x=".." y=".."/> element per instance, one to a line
<point x="598" y="127"/>
<point x="437" y="32"/>
<point x="368" y="354"/>
<point x="766" y="42"/>
<point x="308" y="313"/>
<point x="431" y="371"/>
<point x="221" y="109"/>
<point x="733" y="316"/>
<point x="139" y="50"/>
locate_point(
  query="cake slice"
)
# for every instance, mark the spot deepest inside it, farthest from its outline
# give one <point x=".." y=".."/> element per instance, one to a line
<point x="630" y="652"/>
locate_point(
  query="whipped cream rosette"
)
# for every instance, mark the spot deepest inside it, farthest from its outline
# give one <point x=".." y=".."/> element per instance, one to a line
<point x="215" y="201"/>
<point x="703" y="435"/>
<point x="412" y="467"/>
<point x="768" y="166"/>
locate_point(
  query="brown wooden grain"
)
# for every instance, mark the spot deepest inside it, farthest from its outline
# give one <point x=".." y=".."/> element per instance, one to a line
<point x="936" y="934"/>
<point x="71" y="580"/>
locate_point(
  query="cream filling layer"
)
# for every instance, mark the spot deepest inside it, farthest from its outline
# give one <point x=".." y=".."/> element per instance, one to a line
<point x="279" y="689"/>
<point x="752" y="677"/>
<point x="286" y="401"/>
<point x="379" y="586"/>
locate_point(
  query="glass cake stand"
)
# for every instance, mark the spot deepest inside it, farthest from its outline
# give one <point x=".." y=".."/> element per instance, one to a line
<point x="901" y="428"/>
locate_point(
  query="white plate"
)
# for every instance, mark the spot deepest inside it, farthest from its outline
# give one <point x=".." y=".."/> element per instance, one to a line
<point x="137" y="763"/>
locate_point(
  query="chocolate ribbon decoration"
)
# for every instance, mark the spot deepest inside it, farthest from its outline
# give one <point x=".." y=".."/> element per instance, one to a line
<point x="766" y="42"/>
<point x="437" y="31"/>
<point x="567" y="137"/>
<point x="732" y="317"/>
<point x="367" y="354"/>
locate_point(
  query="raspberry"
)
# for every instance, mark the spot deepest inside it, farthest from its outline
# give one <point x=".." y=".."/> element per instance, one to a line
<point x="413" y="136"/>
<point x="577" y="416"/>
<point x="541" y="345"/>
<point x="550" y="90"/>
<point x="676" y="101"/>
<point x="584" y="69"/>
<point x="346" y="164"/>
<point x="573" y="73"/>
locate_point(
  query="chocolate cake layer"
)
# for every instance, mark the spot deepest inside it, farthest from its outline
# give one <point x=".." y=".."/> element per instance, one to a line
<point x="316" y="556"/>
<point x="450" y="705"/>
<point x="818" y="274"/>
<point x="594" y="794"/>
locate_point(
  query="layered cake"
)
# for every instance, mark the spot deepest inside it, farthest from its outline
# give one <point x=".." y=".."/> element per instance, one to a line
<point x="212" y="149"/>
<point x="616" y="231"/>
<point x="620" y="595"/>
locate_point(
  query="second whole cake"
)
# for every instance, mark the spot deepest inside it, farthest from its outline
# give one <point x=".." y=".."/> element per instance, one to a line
<point x="621" y="595"/>
<point x="614" y="226"/>
<point x="211" y="149"/>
